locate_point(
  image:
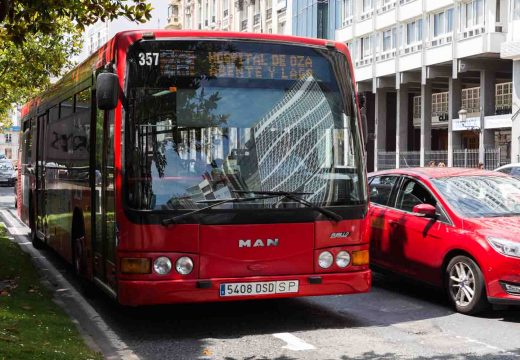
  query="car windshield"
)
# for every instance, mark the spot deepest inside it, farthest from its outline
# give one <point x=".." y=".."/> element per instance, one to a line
<point x="481" y="196"/>
<point x="6" y="166"/>
<point x="208" y="118"/>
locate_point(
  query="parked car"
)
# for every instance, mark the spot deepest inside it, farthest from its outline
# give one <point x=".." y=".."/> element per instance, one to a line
<point x="7" y="173"/>
<point x="510" y="169"/>
<point x="458" y="229"/>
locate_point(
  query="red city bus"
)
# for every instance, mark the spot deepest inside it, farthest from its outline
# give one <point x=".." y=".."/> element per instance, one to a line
<point x="184" y="166"/>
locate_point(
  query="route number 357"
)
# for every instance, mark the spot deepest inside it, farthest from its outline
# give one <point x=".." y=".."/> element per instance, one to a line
<point x="148" y="59"/>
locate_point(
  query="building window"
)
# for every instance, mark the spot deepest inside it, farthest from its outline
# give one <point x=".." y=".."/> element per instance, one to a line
<point x="281" y="27"/>
<point x="8" y="138"/>
<point x="414" y="32"/>
<point x="346" y="11"/>
<point x="367" y="5"/>
<point x="516" y="9"/>
<point x="389" y="39"/>
<point x="504" y="98"/>
<point x="443" y="23"/>
<point x="440" y="104"/>
<point x="366" y="47"/>
<point x="416" y="107"/>
<point x="474" y="13"/>
<point x="471" y="100"/>
<point x="225" y="8"/>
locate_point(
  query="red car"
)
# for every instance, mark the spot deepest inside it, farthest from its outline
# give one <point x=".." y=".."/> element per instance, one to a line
<point x="458" y="229"/>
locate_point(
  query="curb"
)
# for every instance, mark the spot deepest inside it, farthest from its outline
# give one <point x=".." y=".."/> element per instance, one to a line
<point x="94" y="330"/>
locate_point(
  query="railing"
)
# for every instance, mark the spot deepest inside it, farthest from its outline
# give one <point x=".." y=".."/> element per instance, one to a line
<point x="386" y="160"/>
<point x="461" y="158"/>
<point x="470" y="158"/>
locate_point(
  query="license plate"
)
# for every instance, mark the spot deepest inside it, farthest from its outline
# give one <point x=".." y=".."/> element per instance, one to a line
<point x="259" y="288"/>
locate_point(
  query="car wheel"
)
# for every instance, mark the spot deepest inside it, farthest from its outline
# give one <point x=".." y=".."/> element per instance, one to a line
<point x="465" y="285"/>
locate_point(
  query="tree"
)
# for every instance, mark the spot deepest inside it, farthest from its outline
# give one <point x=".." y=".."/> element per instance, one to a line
<point x="26" y="68"/>
<point x="25" y="17"/>
<point x="39" y="38"/>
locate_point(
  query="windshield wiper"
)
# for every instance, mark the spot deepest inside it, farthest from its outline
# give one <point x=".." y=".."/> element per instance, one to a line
<point x="294" y="196"/>
<point x="215" y="203"/>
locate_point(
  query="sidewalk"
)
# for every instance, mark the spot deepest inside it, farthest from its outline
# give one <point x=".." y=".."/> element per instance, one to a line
<point x="90" y="329"/>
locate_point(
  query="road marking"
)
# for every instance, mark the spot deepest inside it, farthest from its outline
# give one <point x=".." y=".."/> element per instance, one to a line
<point x="491" y="347"/>
<point x="293" y="342"/>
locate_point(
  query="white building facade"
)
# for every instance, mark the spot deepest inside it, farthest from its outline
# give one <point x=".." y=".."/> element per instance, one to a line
<point x="261" y="16"/>
<point x="420" y="62"/>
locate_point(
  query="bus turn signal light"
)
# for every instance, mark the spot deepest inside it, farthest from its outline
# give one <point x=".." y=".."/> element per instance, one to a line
<point x="360" y="257"/>
<point x="136" y="266"/>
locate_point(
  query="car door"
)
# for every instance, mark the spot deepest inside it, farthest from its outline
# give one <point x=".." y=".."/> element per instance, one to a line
<point x="423" y="240"/>
<point x="382" y="190"/>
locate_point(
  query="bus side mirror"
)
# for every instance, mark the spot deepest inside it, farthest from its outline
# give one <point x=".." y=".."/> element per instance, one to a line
<point x="107" y="91"/>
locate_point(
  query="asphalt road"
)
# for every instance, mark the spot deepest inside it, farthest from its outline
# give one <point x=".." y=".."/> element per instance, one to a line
<point x="398" y="319"/>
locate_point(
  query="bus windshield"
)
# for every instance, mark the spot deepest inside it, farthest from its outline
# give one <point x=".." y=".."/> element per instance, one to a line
<point x="208" y="118"/>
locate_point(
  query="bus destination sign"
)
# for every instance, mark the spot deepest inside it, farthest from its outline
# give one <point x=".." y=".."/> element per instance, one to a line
<point x="239" y="65"/>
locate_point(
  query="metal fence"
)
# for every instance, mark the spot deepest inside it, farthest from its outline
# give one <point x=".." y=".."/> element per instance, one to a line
<point x="386" y="160"/>
<point x="409" y="159"/>
<point x="470" y="158"/>
<point x="437" y="156"/>
<point x="461" y="158"/>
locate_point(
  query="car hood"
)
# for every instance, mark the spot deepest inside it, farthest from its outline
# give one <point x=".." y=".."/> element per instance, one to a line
<point x="502" y="227"/>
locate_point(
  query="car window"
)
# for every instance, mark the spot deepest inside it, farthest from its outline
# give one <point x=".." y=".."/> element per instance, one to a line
<point x="506" y="170"/>
<point x="413" y="193"/>
<point x="515" y="171"/>
<point x="381" y="189"/>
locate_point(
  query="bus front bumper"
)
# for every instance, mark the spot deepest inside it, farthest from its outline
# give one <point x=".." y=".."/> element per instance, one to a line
<point x="138" y="292"/>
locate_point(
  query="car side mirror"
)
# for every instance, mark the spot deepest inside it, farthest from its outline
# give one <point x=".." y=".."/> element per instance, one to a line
<point x="425" y="210"/>
<point x="107" y="91"/>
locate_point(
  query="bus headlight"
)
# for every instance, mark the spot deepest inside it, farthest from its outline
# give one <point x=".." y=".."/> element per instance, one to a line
<point x="325" y="260"/>
<point x="184" y="265"/>
<point x="162" y="265"/>
<point x="343" y="259"/>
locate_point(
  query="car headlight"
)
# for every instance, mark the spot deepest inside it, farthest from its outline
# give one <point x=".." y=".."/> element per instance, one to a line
<point x="184" y="265"/>
<point x="325" y="260"/>
<point x="505" y="247"/>
<point x="162" y="265"/>
<point x="343" y="259"/>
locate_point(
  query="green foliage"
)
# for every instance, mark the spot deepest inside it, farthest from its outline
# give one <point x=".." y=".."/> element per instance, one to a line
<point x="27" y="68"/>
<point x="26" y="17"/>
<point x="39" y="38"/>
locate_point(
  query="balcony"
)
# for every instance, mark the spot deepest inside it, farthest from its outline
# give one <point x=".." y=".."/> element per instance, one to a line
<point x="243" y="25"/>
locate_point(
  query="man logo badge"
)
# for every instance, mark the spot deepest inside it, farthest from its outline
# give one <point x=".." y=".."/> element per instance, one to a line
<point x="340" y="235"/>
<point x="258" y="243"/>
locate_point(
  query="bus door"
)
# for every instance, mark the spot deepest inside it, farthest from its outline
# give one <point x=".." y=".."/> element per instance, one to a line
<point x="41" y="195"/>
<point x="103" y="213"/>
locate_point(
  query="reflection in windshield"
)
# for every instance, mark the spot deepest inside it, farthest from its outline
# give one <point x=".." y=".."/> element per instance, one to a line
<point x="198" y="138"/>
<point x="481" y="196"/>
